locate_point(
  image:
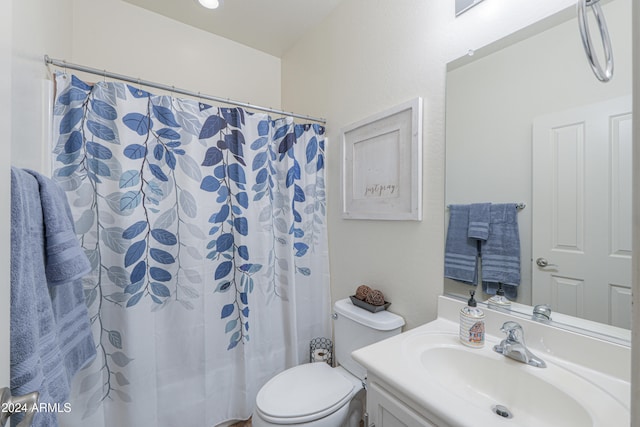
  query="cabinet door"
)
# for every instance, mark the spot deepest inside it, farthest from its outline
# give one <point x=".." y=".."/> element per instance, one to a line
<point x="385" y="410"/>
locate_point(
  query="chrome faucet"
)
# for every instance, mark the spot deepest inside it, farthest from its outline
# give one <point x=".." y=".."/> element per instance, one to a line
<point x="514" y="347"/>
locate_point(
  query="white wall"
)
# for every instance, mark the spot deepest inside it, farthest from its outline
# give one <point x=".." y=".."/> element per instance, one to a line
<point x="492" y="101"/>
<point x="5" y="191"/>
<point x="27" y="29"/>
<point x="39" y="27"/>
<point x="120" y="37"/>
<point x="129" y="40"/>
<point x="370" y="55"/>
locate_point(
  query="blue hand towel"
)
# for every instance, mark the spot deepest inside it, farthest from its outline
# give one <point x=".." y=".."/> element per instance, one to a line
<point x="36" y="362"/>
<point x="501" y="251"/>
<point x="479" y="218"/>
<point x="66" y="264"/>
<point x="461" y="252"/>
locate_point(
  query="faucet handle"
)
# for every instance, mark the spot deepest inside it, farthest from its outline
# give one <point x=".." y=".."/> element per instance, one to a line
<point x="514" y="331"/>
<point x="541" y="312"/>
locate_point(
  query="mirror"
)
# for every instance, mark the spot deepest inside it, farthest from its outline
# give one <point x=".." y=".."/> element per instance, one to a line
<point x="500" y="101"/>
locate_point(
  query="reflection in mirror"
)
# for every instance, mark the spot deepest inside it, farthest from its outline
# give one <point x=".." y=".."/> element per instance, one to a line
<point x="528" y="123"/>
<point x="463" y="5"/>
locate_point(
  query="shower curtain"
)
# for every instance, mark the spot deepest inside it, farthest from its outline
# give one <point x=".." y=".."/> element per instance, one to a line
<point x="206" y="232"/>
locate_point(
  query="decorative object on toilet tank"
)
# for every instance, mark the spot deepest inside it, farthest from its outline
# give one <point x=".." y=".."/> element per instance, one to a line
<point x="369" y="307"/>
<point x="370" y="299"/>
<point x="362" y="292"/>
<point x="375" y="297"/>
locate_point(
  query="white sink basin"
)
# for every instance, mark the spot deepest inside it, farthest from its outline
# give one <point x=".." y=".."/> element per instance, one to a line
<point x="477" y="381"/>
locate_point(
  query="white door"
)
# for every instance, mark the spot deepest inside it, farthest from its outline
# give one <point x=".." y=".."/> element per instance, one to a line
<point x="582" y="212"/>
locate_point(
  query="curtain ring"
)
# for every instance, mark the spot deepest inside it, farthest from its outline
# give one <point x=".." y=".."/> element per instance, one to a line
<point x="171" y="96"/>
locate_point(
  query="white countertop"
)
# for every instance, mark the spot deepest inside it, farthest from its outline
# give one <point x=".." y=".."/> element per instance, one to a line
<point x="606" y="365"/>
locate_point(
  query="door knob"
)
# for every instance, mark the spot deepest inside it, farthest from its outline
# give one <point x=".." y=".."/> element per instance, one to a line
<point x="542" y="262"/>
<point x="15" y="404"/>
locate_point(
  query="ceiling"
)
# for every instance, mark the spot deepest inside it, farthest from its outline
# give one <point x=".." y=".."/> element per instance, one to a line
<point x="272" y="26"/>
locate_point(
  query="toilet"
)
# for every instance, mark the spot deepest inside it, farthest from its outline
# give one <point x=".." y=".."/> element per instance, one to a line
<point x="317" y="395"/>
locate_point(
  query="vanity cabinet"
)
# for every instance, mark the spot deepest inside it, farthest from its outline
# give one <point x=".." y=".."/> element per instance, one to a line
<point x="387" y="409"/>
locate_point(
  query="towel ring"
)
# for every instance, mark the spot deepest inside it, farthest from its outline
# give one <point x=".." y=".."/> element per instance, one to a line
<point x="604" y="75"/>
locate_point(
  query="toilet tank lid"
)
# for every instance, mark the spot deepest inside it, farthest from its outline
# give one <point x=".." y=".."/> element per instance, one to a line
<point x="382" y="320"/>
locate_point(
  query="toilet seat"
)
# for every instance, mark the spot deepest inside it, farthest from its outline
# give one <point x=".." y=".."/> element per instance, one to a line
<point x="285" y="399"/>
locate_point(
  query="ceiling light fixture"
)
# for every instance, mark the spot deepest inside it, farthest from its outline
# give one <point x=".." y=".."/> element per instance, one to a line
<point x="210" y="4"/>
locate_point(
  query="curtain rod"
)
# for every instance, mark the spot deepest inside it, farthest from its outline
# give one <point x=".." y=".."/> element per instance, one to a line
<point x="105" y="73"/>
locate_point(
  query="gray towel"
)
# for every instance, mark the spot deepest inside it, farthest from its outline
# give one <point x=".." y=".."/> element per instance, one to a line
<point x="66" y="264"/>
<point x="65" y="258"/>
<point x="36" y="362"/>
<point x="479" y="218"/>
<point x="461" y="252"/>
<point x="501" y="251"/>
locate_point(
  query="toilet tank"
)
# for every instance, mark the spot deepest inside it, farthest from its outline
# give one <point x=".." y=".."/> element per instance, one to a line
<point x="355" y="327"/>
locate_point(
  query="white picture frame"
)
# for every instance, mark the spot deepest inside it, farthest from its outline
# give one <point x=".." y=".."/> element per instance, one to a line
<point x="382" y="165"/>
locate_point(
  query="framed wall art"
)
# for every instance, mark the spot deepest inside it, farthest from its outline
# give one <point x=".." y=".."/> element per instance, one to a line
<point x="382" y="165"/>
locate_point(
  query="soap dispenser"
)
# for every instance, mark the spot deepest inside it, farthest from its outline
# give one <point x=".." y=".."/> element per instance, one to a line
<point x="472" y="324"/>
<point x="499" y="301"/>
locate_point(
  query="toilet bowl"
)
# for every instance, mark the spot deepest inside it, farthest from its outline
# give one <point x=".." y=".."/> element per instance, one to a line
<point x="317" y="395"/>
<point x="313" y="394"/>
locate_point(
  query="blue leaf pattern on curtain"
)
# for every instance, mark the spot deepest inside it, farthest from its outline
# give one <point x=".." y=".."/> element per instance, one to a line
<point x="169" y="196"/>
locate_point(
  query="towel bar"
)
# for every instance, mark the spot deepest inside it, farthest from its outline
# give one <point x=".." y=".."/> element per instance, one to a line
<point x="14" y="404"/>
<point x="520" y="206"/>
